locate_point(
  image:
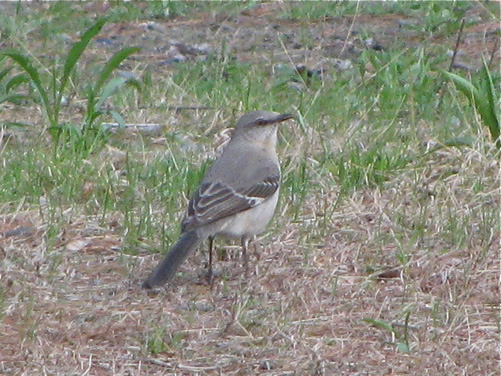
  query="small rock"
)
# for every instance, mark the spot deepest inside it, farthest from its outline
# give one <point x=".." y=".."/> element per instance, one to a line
<point x="128" y="75"/>
<point x="342" y="65"/>
<point x="76" y="245"/>
<point x="267" y="365"/>
<point x="407" y="22"/>
<point x="464" y="66"/>
<point x="105" y="41"/>
<point x="173" y="60"/>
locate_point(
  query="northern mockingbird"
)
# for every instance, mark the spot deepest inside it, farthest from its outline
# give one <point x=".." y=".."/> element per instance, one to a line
<point x="237" y="196"/>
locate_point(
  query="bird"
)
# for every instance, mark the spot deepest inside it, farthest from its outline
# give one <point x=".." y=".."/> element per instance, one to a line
<point x="236" y="198"/>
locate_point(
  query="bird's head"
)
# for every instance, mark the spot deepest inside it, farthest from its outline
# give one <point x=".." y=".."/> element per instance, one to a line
<point x="260" y="125"/>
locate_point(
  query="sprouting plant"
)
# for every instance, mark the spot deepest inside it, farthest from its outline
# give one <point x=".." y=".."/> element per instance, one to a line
<point x="483" y="97"/>
<point x="51" y="95"/>
<point x="9" y="83"/>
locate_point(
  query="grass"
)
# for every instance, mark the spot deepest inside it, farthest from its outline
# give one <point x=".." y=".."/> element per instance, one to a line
<point x="384" y="244"/>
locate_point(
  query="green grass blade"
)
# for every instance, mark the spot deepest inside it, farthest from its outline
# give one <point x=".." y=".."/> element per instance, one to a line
<point x="26" y="65"/>
<point x="493" y="108"/>
<point x="453" y="142"/>
<point x="403" y="348"/>
<point x="135" y="83"/>
<point x="465" y="86"/>
<point x="480" y="101"/>
<point x="16" y="81"/>
<point x="4" y="72"/>
<point x="491" y="93"/>
<point x="76" y="51"/>
<point x="460" y="141"/>
<point x="112" y="86"/>
<point x="380" y="324"/>
<point x="13" y="98"/>
<point x="15" y="124"/>
<point x="113" y="63"/>
<point x="109" y="89"/>
<point x="118" y="118"/>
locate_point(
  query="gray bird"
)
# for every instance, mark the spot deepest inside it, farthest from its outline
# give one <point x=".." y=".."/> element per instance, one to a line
<point x="237" y="196"/>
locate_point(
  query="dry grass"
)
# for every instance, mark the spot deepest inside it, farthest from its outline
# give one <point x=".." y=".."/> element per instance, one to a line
<point x="77" y="310"/>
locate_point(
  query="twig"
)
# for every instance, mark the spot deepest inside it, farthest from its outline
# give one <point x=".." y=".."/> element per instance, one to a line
<point x="350" y="29"/>
<point x="139" y="127"/>
<point x="180" y="366"/>
<point x="196" y="369"/>
<point x="179" y="108"/>
<point x="404" y="325"/>
<point x="493" y="52"/>
<point x="158" y="362"/>
<point x="442" y="90"/>
<point x="457" y="44"/>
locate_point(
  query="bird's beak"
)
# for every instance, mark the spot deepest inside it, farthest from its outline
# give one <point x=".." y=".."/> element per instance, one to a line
<point x="283" y="117"/>
<point x="277" y="119"/>
<point x="273" y="120"/>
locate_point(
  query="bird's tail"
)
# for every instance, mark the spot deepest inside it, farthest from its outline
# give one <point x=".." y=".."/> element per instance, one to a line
<point x="166" y="269"/>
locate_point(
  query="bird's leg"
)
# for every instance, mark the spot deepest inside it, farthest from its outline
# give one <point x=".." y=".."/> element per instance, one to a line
<point x="209" y="271"/>
<point x="245" y="243"/>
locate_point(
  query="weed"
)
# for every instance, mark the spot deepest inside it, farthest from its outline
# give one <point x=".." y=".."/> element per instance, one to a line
<point x="483" y="95"/>
<point x="51" y="97"/>
<point x="8" y="83"/>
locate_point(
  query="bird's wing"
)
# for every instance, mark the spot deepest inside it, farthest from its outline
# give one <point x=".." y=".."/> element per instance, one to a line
<point x="215" y="200"/>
